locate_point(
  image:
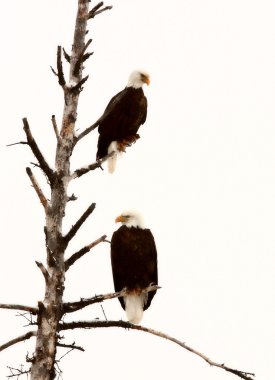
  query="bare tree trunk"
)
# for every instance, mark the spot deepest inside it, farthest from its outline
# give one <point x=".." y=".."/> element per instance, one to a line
<point x="50" y="310"/>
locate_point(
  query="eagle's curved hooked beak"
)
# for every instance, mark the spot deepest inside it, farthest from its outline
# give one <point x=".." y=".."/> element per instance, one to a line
<point x="120" y="218"/>
<point x="146" y="80"/>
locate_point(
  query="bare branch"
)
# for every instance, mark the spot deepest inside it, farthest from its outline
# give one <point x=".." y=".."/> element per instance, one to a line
<point x="86" y="56"/>
<point x="67" y="56"/>
<point x="77" y="255"/>
<point x="79" y="223"/>
<point x="96" y="7"/>
<point x="38" y="190"/>
<point x="72" y="346"/>
<point x="56" y="129"/>
<point x="36" y="151"/>
<point x="96" y="11"/>
<point x="54" y="72"/>
<point x="128" y="325"/>
<point x="20" y="142"/>
<point x="30" y="309"/>
<point x="80" y="59"/>
<point x="60" y="74"/>
<point x="44" y="271"/>
<point x="95" y="165"/>
<point x="26" y="336"/>
<point x="87" y="130"/>
<point x="70" y="307"/>
<point x="78" y="86"/>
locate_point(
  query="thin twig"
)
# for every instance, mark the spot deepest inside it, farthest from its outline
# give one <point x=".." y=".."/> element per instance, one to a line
<point x="44" y="271"/>
<point x="17" y="143"/>
<point x="86" y="169"/>
<point x="30" y="309"/>
<point x="35" y="165"/>
<point x="72" y="346"/>
<point x="36" y="151"/>
<point x="79" y="223"/>
<point x="128" y="325"/>
<point x="77" y="255"/>
<point x="103" y="313"/>
<point x="56" y="129"/>
<point x="70" y="307"/>
<point x="66" y="353"/>
<point x="19" y="372"/>
<point x="20" y="338"/>
<point x="27" y="317"/>
<point x="53" y="70"/>
<point x="38" y="190"/>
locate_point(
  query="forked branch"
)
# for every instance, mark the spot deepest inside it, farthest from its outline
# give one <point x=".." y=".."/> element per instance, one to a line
<point x="96" y="10"/>
<point x="77" y="255"/>
<point x="16" y="372"/>
<point x="20" y="338"/>
<point x="128" y="325"/>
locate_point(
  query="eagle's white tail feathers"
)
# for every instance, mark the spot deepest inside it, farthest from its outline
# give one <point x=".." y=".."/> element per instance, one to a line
<point x="134" y="307"/>
<point x="111" y="162"/>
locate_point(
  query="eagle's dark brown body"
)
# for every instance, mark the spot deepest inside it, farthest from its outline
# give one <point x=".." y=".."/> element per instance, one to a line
<point x="134" y="261"/>
<point x="121" y="120"/>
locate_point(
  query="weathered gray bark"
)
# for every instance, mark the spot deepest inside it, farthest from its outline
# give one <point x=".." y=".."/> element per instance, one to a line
<point x="50" y="310"/>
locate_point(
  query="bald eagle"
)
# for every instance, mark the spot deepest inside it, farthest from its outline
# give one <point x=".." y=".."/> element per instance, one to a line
<point x="122" y="118"/>
<point x="134" y="264"/>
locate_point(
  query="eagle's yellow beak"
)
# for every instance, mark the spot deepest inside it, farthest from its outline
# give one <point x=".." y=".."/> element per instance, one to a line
<point x="146" y="80"/>
<point x="120" y="218"/>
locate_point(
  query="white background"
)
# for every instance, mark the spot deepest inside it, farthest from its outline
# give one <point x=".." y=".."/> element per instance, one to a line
<point x="202" y="174"/>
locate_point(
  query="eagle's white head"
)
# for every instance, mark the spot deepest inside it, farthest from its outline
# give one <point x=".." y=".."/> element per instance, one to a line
<point x="138" y="78"/>
<point x="131" y="219"/>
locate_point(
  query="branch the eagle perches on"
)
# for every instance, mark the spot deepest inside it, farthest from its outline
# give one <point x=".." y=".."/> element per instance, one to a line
<point x="52" y="309"/>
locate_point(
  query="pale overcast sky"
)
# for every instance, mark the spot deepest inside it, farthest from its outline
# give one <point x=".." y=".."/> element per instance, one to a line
<point x="202" y="174"/>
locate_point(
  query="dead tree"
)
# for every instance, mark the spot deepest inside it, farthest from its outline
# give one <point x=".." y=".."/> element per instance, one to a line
<point x="50" y="311"/>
